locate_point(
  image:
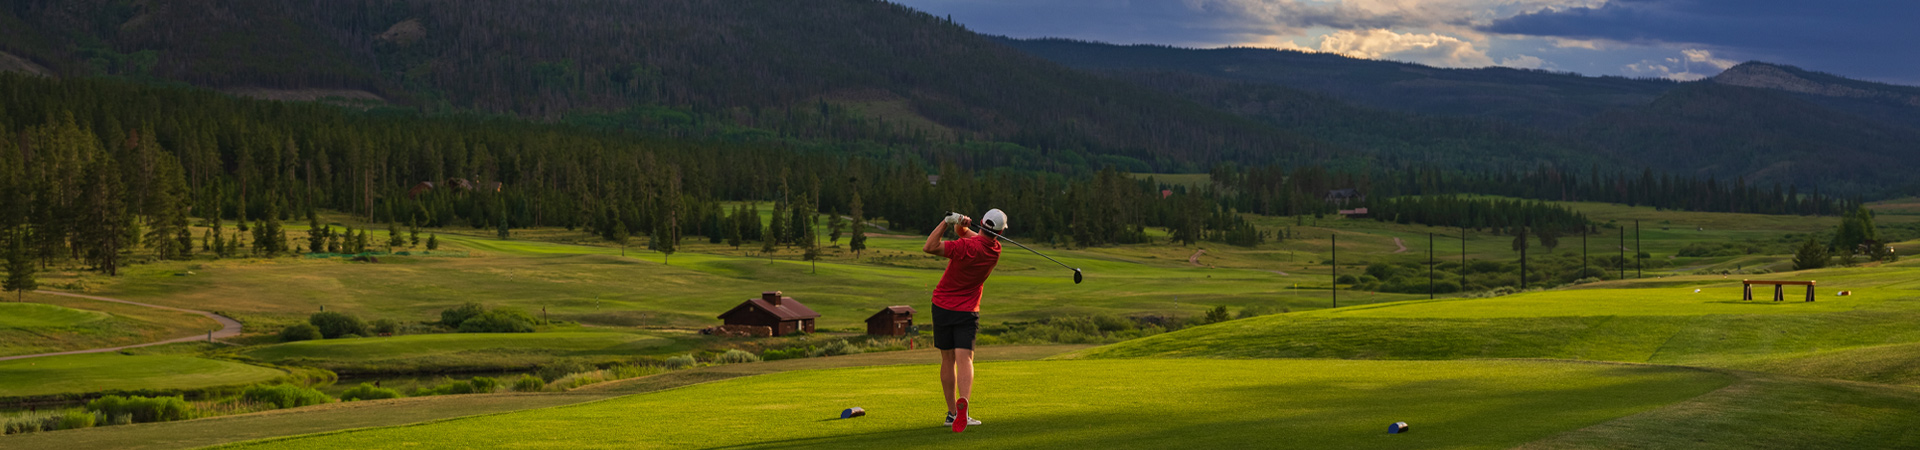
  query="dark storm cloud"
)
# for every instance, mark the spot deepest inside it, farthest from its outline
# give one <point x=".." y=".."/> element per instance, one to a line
<point x="1873" y="40"/>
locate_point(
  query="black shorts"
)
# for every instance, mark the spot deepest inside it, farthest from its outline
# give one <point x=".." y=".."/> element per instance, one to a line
<point x="954" y="329"/>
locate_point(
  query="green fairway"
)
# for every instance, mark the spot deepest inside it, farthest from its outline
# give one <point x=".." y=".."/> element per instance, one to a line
<point x="1664" y="322"/>
<point x="1091" y="404"/>
<point x="36" y="315"/>
<point x="97" y="372"/>
<point x="52" y="323"/>
<point x="466" y="351"/>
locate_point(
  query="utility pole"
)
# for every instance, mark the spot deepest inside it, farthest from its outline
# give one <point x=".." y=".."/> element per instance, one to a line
<point x="1336" y="270"/>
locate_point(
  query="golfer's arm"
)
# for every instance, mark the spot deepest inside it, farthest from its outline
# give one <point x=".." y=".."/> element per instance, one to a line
<point x="933" y="246"/>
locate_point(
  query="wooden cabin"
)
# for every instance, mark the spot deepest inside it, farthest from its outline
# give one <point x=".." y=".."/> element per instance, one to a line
<point x="782" y="314"/>
<point x="891" y="321"/>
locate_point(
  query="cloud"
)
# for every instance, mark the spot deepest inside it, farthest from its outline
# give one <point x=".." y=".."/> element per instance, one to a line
<point x="1428" y="48"/>
<point x="1524" y="62"/>
<point x="1692" y="64"/>
<point x="1865" y="39"/>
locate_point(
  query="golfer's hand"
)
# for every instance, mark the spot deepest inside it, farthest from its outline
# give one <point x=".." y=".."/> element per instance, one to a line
<point x="957" y="219"/>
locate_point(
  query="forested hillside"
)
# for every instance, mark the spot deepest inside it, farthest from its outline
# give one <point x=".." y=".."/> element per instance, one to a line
<point x="760" y="63"/>
<point x="1757" y="123"/>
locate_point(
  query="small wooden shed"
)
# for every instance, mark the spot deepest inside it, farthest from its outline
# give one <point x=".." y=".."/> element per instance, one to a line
<point x="891" y="321"/>
<point x="773" y="310"/>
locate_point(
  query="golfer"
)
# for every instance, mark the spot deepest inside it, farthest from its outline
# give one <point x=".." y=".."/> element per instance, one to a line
<point x="956" y="304"/>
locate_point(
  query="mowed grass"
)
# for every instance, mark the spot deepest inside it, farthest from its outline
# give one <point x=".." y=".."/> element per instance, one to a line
<point x="97" y="372"/>
<point x="466" y="351"/>
<point x="36" y="315"/>
<point x="50" y="323"/>
<point x="1091" y="404"/>
<point x="1664" y="322"/>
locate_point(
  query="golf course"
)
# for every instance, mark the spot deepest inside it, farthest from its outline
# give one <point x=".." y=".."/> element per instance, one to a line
<point x="1584" y="365"/>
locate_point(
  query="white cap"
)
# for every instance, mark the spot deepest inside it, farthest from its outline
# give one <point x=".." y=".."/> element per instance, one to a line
<point x="994" y="220"/>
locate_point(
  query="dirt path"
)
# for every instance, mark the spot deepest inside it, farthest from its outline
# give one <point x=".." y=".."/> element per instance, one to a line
<point x="1402" y="245"/>
<point x="228" y="328"/>
<point x="1195" y="259"/>
<point x="1279" y="273"/>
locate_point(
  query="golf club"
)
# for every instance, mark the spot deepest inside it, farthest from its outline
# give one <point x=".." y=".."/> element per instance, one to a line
<point x="1076" y="272"/>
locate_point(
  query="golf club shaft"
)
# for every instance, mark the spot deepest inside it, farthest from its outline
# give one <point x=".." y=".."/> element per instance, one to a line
<point x="1036" y="252"/>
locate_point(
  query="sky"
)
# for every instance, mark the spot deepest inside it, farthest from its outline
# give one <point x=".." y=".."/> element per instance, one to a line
<point x="1676" y="39"/>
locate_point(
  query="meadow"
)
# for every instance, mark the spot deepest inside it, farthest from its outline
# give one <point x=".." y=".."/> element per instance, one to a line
<point x="51" y="323"/>
<point x="80" y="374"/>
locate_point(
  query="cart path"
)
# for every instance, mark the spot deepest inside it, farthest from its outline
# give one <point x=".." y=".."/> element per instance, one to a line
<point x="1195" y="259"/>
<point x="228" y="328"/>
<point x="1402" y="245"/>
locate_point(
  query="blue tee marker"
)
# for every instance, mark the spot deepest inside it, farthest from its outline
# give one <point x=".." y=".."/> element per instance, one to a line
<point x="852" y="413"/>
<point x="1397" y="428"/>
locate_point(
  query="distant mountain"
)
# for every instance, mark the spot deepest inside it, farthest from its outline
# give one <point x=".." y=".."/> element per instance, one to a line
<point x="1757" y="122"/>
<point x="835" y="69"/>
<point x="1530" y="97"/>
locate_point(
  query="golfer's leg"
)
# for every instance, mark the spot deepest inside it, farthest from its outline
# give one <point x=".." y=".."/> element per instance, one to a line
<point x="963" y="370"/>
<point x="946" y="375"/>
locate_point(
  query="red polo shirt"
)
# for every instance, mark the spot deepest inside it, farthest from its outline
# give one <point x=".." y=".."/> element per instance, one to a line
<point x="969" y="262"/>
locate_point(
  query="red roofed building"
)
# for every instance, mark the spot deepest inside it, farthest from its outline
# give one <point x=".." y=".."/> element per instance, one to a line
<point x="783" y="314"/>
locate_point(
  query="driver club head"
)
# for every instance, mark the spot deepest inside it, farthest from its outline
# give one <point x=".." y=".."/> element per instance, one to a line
<point x="1076" y="276"/>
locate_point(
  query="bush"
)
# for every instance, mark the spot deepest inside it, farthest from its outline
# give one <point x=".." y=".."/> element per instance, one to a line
<point x="1346" y="279"/>
<point x="142" y="409"/>
<point x="484" y="385"/>
<point x="299" y="332"/>
<point x="789" y="353"/>
<point x="386" y="327"/>
<point x="368" y="392"/>
<point x="334" y="325"/>
<point x="560" y="369"/>
<point x="33" y="423"/>
<point x="499" y="321"/>
<point x="1218" y="314"/>
<point x="683" y="361"/>
<point x="76" y="419"/>
<point x="285" y="395"/>
<point x="1257" y="311"/>
<point x="736" y="356"/>
<point x="529" y="383"/>
<point x="453" y="317"/>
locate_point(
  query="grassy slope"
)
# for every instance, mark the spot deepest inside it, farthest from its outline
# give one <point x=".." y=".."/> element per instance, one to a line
<point x="1665" y="322"/>
<point x="50" y="323"/>
<point x="1764" y="412"/>
<point x="113" y="371"/>
<point x="466" y="351"/>
<point x="1106" y="404"/>
<point x="352" y="415"/>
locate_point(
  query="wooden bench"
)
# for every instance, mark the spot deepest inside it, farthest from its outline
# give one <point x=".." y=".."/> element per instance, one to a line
<point x="1779" y="291"/>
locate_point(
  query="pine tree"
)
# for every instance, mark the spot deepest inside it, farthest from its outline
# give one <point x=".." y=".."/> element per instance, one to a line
<point x="316" y="234"/>
<point x="433" y="242"/>
<point x="394" y="239"/>
<point x="834" y="226"/>
<point x="273" y="236"/>
<point x="777" y="225"/>
<point x="732" y="224"/>
<point x="620" y="235"/>
<point x="104" y="221"/>
<point x="413" y="234"/>
<point x="858" y="241"/>
<point x="1811" y="255"/>
<point x="20" y="265"/>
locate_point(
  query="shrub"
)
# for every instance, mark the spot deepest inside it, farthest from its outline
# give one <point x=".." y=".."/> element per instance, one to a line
<point x="684" y="361"/>
<point x="386" y="326"/>
<point x="453" y="317"/>
<point x="299" y="332"/>
<point x="334" y="325"/>
<point x="529" y="383"/>
<point x="1346" y="279"/>
<point x="1256" y="311"/>
<point x="736" y="356"/>
<point x="142" y="409"/>
<point x="560" y="369"/>
<point x="789" y="353"/>
<point x="368" y="392"/>
<point x="32" y="423"/>
<point x="484" y="385"/>
<point x="499" y="321"/>
<point x="76" y="419"/>
<point x="285" y="395"/>
<point x="1218" y="314"/>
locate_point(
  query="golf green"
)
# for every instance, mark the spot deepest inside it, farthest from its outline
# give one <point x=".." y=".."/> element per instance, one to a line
<point x="97" y="372"/>
<point x="38" y="315"/>
<point x="1090" y="404"/>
